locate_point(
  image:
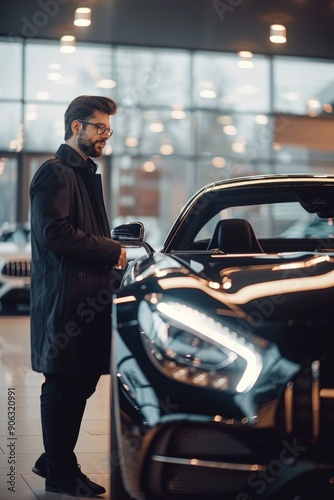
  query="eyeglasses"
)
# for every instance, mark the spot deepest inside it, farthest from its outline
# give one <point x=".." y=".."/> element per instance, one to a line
<point x="100" y="128"/>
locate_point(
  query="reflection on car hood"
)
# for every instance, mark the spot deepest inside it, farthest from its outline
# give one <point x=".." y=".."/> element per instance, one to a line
<point x="231" y="273"/>
<point x="284" y="298"/>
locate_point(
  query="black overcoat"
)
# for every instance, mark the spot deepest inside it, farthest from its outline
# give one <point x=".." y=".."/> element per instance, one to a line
<point x="72" y="258"/>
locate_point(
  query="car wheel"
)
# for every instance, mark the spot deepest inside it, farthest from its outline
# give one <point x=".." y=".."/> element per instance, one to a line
<point x="118" y="491"/>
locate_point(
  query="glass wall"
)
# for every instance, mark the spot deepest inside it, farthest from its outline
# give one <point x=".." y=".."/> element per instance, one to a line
<point x="184" y="119"/>
<point x="8" y="189"/>
<point x="303" y="103"/>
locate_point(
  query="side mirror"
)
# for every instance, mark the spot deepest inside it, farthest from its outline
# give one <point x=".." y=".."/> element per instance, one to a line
<point x="132" y="235"/>
<point x="131" y="231"/>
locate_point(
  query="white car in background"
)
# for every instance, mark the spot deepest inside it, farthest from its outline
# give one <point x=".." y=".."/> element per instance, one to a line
<point x="15" y="263"/>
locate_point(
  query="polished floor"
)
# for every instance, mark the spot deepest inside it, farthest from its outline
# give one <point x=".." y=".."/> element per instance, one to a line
<point x="20" y="445"/>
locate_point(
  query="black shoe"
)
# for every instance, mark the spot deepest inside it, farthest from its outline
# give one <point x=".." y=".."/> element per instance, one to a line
<point x="74" y="484"/>
<point x="41" y="467"/>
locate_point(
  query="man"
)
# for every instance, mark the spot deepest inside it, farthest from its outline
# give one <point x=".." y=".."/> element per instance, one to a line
<point x="71" y="288"/>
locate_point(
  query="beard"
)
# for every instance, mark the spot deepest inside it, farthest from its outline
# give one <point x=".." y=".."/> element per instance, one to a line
<point x="87" y="147"/>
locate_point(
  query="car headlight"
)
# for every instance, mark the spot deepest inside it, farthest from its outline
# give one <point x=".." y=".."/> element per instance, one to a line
<point x="192" y="347"/>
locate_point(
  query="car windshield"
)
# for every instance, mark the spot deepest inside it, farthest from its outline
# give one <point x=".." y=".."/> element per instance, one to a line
<point x="285" y="220"/>
<point x="279" y="214"/>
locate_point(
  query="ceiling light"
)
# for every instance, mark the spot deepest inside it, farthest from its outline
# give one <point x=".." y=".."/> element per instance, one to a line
<point x="106" y="83"/>
<point x="149" y="166"/>
<point x="239" y="147"/>
<point x="313" y="106"/>
<point x="229" y="130"/>
<point x="277" y="33"/>
<point x="261" y="119"/>
<point x="245" y="59"/>
<point x="131" y="141"/>
<point x="207" y="90"/>
<point x="67" y="44"/>
<point x="245" y="53"/>
<point x="157" y="127"/>
<point x="218" y="162"/>
<point x="178" y="112"/>
<point x="245" y="64"/>
<point x="82" y="16"/>
<point x="166" y="149"/>
<point x="313" y="103"/>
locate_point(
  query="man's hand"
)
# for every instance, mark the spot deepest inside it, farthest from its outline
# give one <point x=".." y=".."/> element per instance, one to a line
<point x="122" y="261"/>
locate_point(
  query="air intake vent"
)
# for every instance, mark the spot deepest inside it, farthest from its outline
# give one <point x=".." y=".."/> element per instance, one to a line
<point x="17" y="268"/>
<point x="307" y="409"/>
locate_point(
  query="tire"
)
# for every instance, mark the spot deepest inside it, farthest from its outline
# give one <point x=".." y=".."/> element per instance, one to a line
<point x="118" y="491"/>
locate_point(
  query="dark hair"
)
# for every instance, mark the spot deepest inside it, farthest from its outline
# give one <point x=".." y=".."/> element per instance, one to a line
<point x="82" y="108"/>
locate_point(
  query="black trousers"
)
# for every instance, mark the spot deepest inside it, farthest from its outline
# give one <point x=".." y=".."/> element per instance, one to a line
<point x="63" y="402"/>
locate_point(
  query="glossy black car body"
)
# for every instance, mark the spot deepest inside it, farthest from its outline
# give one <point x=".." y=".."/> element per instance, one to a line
<point x="223" y="369"/>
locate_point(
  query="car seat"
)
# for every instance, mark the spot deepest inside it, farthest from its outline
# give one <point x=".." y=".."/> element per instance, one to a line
<point x="235" y="236"/>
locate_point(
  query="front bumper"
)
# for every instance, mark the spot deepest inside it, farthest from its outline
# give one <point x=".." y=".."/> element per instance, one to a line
<point x="200" y="458"/>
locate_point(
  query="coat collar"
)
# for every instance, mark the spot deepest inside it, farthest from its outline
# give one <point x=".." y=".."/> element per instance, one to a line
<point x="73" y="159"/>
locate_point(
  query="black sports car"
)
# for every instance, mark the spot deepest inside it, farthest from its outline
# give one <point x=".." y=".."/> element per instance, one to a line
<point x="222" y="361"/>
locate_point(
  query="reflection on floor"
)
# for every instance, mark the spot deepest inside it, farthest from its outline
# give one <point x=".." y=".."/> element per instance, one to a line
<point x="19" y="451"/>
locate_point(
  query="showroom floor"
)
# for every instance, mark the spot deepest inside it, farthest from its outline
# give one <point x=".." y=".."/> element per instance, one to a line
<point x="19" y="448"/>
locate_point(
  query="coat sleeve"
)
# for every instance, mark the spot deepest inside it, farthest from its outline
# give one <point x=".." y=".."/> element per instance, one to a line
<point x="52" y="194"/>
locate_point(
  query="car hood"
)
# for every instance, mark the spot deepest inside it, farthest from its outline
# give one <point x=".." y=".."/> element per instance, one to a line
<point x="286" y="299"/>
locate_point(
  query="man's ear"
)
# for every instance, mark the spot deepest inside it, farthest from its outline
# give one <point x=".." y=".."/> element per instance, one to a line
<point x="76" y="127"/>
